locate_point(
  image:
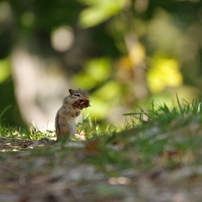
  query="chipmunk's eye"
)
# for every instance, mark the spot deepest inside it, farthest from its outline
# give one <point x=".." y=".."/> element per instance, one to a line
<point x="78" y="94"/>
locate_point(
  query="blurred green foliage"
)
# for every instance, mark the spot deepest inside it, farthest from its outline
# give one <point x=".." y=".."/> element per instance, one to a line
<point x="99" y="11"/>
<point x="127" y="51"/>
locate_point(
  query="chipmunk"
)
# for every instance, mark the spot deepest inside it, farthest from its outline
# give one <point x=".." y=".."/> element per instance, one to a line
<point x="65" y="118"/>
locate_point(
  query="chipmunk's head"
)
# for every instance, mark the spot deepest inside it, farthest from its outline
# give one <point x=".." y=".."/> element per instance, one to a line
<point x="82" y="101"/>
<point x="78" y="99"/>
<point x="78" y="94"/>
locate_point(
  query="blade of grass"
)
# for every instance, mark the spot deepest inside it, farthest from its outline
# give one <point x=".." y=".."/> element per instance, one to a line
<point x="3" y="112"/>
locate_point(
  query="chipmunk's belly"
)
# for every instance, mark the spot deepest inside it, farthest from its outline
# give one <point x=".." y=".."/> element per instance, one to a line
<point x="72" y="126"/>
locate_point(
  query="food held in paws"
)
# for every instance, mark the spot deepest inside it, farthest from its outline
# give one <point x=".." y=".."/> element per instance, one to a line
<point x="81" y="103"/>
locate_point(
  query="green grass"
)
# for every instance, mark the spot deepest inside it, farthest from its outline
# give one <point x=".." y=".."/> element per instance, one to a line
<point x="165" y="139"/>
<point x="176" y="130"/>
<point x="158" y="142"/>
<point x="30" y="132"/>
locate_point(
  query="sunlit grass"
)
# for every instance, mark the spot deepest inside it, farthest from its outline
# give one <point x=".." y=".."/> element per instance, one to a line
<point x="30" y="132"/>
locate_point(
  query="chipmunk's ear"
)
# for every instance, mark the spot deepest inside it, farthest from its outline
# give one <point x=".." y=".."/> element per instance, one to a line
<point x="71" y="91"/>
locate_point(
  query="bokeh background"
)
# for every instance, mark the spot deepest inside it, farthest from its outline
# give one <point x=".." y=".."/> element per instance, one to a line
<point x="124" y="53"/>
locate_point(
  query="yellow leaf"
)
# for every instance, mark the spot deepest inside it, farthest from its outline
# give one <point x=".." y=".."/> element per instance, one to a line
<point x="164" y="73"/>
